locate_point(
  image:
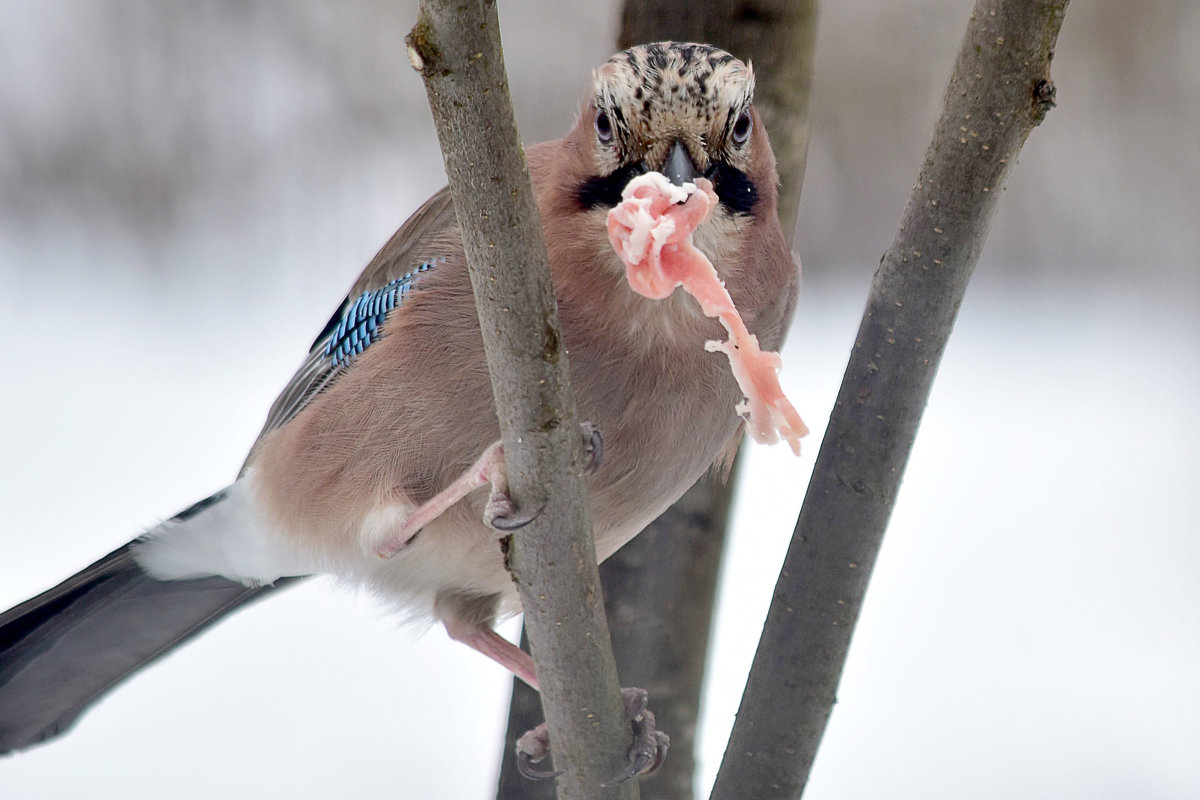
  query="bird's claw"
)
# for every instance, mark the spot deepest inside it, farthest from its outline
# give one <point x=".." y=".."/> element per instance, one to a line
<point x="593" y="447"/>
<point x="646" y="754"/>
<point x="650" y="745"/>
<point x="532" y="748"/>
<point x="503" y="515"/>
<point x="526" y="768"/>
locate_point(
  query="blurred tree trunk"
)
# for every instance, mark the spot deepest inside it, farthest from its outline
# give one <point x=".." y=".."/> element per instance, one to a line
<point x="659" y="589"/>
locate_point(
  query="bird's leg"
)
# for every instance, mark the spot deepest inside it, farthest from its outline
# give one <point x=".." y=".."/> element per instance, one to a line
<point x="488" y="468"/>
<point x="468" y="619"/>
<point x="483" y="639"/>
<point x="500" y="512"/>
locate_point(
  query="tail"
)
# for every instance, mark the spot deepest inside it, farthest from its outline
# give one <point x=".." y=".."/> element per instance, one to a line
<point x="64" y="649"/>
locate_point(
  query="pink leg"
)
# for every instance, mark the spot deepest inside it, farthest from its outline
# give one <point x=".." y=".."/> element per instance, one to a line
<point x="501" y="650"/>
<point x="488" y="468"/>
<point x="500" y="512"/>
<point x="468" y="619"/>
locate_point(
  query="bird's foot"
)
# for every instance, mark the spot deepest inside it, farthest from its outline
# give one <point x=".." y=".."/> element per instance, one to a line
<point x="502" y="513"/>
<point x="650" y="745"/>
<point x="532" y="748"/>
<point x="646" y="754"/>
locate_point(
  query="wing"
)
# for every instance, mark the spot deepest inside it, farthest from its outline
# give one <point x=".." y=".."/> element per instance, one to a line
<point x="392" y="274"/>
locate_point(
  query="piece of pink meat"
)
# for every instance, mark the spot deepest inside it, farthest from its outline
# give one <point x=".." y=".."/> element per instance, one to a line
<point x="651" y="230"/>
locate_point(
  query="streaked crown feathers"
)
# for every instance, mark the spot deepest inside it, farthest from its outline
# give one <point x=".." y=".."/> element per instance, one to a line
<point x="657" y="92"/>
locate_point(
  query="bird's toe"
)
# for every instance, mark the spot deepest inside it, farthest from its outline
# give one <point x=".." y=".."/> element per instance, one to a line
<point x="593" y="447"/>
<point x="533" y="748"/>
<point x="503" y="514"/>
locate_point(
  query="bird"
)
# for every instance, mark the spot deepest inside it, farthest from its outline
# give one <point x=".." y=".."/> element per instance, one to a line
<point x="392" y="406"/>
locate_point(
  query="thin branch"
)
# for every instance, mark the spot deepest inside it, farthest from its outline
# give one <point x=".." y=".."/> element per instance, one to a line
<point x="456" y="48"/>
<point x="999" y="91"/>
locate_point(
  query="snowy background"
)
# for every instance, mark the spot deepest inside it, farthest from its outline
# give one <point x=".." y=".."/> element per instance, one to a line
<point x="187" y="190"/>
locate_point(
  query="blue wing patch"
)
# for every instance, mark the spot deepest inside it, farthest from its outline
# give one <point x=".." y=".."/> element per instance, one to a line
<point x="362" y="321"/>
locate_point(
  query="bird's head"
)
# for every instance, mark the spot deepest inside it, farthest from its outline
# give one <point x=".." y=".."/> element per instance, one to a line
<point x="685" y="110"/>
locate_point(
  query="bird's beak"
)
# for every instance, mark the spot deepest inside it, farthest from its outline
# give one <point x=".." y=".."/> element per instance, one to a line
<point x="678" y="167"/>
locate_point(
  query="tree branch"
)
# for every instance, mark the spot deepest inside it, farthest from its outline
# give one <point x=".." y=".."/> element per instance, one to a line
<point x="999" y="91"/>
<point x="456" y="48"/>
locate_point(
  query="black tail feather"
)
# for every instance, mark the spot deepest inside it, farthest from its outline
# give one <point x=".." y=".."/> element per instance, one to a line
<point x="65" y="648"/>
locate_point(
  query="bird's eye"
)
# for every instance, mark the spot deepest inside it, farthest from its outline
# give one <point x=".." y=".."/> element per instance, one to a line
<point x="741" y="128"/>
<point x="604" y="128"/>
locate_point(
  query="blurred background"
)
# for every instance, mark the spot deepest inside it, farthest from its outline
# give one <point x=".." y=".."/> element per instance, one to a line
<point x="187" y="189"/>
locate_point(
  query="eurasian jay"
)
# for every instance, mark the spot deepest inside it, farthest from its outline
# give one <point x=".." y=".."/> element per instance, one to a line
<point x="393" y="404"/>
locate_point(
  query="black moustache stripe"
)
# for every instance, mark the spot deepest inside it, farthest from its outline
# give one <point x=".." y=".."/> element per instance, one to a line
<point x="734" y="189"/>
<point x="604" y="191"/>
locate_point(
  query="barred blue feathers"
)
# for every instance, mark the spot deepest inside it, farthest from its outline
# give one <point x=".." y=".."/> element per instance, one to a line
<point x="362" y="321"/>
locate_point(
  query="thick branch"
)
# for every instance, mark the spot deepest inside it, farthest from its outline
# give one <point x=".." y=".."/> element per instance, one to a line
<point x="456" y="48"/>
<point x="999" y="91"/>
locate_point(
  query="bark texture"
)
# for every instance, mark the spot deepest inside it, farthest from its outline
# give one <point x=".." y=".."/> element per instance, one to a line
<point x="999" y="91"/>
<point x="455" y="45"/>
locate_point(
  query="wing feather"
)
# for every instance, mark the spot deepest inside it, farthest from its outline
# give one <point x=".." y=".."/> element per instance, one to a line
<point x="375" y="293"/>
